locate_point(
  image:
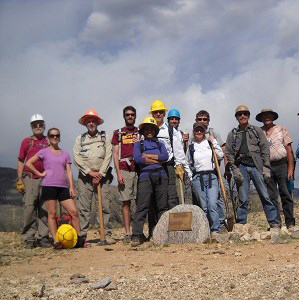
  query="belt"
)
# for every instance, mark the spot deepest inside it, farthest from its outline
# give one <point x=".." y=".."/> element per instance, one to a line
<point x="280" y="162"/>
<point x="201" y="173"/>
<point x="127" y="160"/>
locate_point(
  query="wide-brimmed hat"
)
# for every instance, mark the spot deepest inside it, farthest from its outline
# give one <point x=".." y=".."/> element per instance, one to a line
<point x="149" y="121"/>
<point x="200" y="126"/>
<point x="90" y="113"/>
<point x="264" y="111"/>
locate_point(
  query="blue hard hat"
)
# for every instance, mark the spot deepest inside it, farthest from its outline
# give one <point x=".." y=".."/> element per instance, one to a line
<point x="174" y="113"/>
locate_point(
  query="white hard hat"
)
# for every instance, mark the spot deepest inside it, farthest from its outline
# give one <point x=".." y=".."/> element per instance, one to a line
<point x="37" y="117"/>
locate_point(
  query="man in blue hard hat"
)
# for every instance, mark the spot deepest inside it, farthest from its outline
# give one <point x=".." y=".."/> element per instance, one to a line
<point x="174" y="118"/>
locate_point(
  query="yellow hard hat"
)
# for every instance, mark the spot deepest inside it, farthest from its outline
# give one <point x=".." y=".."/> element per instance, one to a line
<point x="151" y="121"/>
<point x="67" y="236"/>
<point x="241" y="107"/>
<point x="157" y="105"/>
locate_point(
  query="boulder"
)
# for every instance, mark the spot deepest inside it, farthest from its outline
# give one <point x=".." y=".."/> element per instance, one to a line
<point x="200" y="232"/>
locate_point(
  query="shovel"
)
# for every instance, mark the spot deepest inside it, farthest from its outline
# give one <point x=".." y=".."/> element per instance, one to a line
<point x="230" y="219"/>
<point x="101" y="219"/>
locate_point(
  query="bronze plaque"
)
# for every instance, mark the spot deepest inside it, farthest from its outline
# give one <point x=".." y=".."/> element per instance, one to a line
<point x="180" y="221"/>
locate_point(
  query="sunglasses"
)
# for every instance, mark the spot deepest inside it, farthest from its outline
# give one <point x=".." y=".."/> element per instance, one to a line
<point x="202" y="119"/>
<point x="244" y="113"/>
<point x="128" y="115"/>
<point x="54" y="136"/>
<point x="161" y="112"/>
<point x="37" y="125"/>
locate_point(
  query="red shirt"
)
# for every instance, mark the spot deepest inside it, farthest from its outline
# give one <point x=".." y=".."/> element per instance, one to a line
<point x="29" y="148"/>
<point x="126" y="146"/>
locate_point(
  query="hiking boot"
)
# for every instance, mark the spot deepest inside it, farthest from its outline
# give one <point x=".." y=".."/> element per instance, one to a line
<point x="80" y="241"/>
<point x="44" y="243"/>
<point x="127" y="239"/>
<point x="58" y="246"/>
<point x="110" y="240"/>
<point x="135" y="241"/>
<point x="29" y="244"/>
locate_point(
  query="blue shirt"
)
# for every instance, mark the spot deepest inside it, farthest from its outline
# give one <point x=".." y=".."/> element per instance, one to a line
<point x="297" y="151"/>
<point x="150" y="147"/>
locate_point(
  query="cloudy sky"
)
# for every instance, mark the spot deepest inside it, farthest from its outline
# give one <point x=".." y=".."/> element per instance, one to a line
<point x="61" y="57"/>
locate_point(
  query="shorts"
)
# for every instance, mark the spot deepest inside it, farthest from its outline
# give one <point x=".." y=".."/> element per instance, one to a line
<point x="55" y="193"/>
<point x="128" y="191"/>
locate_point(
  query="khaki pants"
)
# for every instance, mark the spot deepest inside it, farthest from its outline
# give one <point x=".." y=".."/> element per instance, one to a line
<point x="86" y="194"/>
<point x="35" y="212"/>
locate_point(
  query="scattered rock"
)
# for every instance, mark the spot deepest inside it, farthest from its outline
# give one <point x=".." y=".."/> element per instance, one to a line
<point x="80" y="280"/>
<point x="238" y="254"/>
<point x="200" y="227"/>
<point x="77" y="275"/>
<point x="295" y="234"/>
<point x="101" y="284"/>
<point x="218" y="251"/>
<point x="232" y="286"/>
<point x="157" y="264"/>
<point x="111" y="287"/>
<point x="221" y="238"/>
<point x="108" y="249"/>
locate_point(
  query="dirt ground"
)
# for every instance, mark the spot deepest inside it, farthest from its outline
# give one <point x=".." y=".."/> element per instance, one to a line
<point x="233" y="270"/>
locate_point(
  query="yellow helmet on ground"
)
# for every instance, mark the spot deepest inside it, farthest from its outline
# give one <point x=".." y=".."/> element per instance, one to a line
<point x="67" y="236"/>
<point x="150" y="121"/>
<point x="157" y="105"/>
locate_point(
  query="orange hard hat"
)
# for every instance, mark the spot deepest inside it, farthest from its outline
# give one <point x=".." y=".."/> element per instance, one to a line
<point x="90" y="113"/>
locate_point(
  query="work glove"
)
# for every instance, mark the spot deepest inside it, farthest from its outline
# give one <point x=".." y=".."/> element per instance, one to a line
<point x="238" y="176"/>
<point x="20" y="186"/>
<point x="266" y="175"/>
<point x="227" y="173"/>
<point x="179" y="171"/>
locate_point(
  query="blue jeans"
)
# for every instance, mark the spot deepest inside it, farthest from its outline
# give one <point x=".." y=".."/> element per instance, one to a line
<point x="207" y="198"/>
<point x="252" y="173"/>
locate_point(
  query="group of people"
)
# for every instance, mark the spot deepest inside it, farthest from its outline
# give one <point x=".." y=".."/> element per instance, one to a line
<point x="150" y="162"/>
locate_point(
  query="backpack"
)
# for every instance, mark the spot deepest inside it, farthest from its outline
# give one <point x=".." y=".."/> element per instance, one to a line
<point x="120" y="135"/>
<point x="192" y="151"/>
<point x="83" y="136"/>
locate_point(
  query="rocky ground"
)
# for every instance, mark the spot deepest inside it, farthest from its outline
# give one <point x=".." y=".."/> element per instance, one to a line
<point x="232" y="269"/>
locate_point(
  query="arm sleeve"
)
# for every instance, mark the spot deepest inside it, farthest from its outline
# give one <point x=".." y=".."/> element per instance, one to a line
<point x="137" y="154"/>
<point x="23" y="150"/>
<point x="114" y="140"/>
<point x="68" y="158"/>
<point x="286" y="137"/>
<point x="108" y="157"/>
<point x="179" y="153"/>
<point x="41" y="154"/>
<point x="264" y="147"/>
<point x="164" y="154"/>
<point x="229" y="151"/>
<point x="79" y="163"/>
<point x="218" y="150"/>
<point x="297" y="151"/>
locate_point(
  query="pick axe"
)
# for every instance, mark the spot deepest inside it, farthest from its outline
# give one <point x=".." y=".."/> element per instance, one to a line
<point x="230" y="219"/>
<point x="101" y="219"/>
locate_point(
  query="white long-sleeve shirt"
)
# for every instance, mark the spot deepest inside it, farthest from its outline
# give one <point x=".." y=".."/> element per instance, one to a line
<point x="203" y="155"/>
<point x="178" y="151"/>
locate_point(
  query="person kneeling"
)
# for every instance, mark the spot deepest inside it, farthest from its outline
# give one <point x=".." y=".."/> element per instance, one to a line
<point x="149" y="155"/>
<point x="205" y="181"/>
